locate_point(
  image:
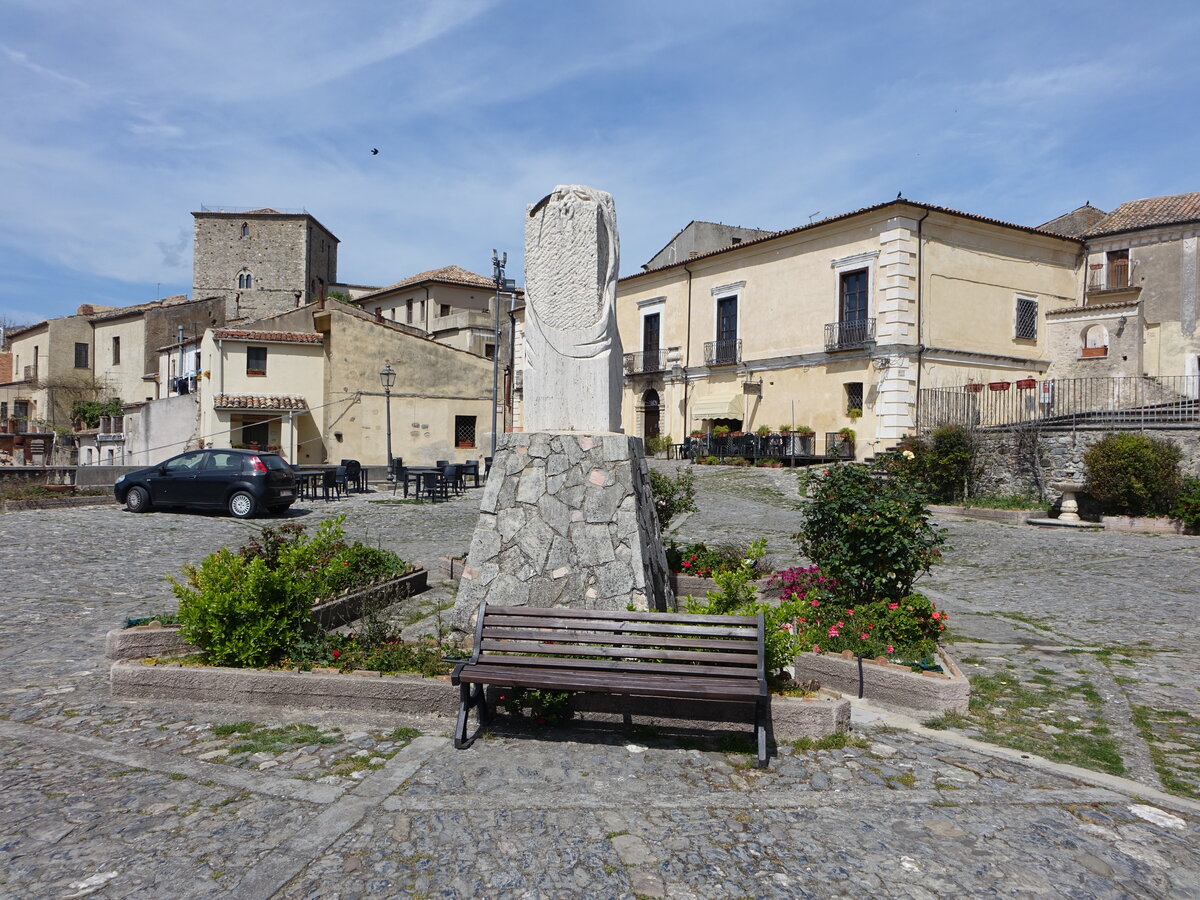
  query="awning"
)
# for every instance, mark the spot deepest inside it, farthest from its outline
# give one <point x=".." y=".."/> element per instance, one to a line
<point x="722" y="407"/>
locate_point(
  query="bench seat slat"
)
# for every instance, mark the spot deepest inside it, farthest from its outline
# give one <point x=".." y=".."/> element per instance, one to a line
<point x="485" y="644"/>
<point x="621" y="625"/>
<point x="564" y="612"/>
<point x="607" y="683"/>
<point x="582" y="637"/>
<point x="623" y="665"/>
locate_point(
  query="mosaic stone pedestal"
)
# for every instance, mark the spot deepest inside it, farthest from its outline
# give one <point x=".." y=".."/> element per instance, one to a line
<point x="566" y="519"/>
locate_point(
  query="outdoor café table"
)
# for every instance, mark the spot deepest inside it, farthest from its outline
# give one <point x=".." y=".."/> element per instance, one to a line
<point x="414" y="474"/>
<point x="310" y="478"/>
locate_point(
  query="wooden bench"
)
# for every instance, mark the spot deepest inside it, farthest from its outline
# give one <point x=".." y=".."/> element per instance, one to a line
<point x="647" y="654"/>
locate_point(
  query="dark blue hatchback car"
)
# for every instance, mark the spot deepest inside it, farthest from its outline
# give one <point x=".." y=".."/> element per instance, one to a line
<point x="245" y="482"/>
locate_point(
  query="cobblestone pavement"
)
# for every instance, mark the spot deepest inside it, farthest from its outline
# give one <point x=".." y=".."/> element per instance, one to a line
<point x="114" y="799"/>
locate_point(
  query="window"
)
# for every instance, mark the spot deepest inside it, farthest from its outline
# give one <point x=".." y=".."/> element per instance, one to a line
<point x="245" y="230"/>
<point x="1118" y="269"/>
<point x="1027" y="319"/>
<point x="408" y="311"/>
<point x="81" y="356"/>
<point x="652" y="330"/>
<point x="256" y="360"/>
<point x="853" y="301"/>
<point x="464" y="431"/>
<point x="443" y="309"/>
<point x="854" y="398"/>
<point x="3" y="409"/>
<point x="1095" y="342"/>
<point x="245" y="281"/>
<point x="489" y="351"/>
<point x="188" y="462"/>
<point x="116" y="344"/>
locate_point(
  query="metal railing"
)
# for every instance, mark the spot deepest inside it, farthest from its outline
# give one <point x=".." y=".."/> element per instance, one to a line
<point x="849" y="335"/>
<point x="1117" y="402"/>
<point x="723" y="353"/>
<point x="1111" y="277"/>
<point x="645" y="361"/>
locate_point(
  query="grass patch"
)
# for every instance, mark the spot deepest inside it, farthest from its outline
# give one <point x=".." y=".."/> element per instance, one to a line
<point x="121" y="773"/>
<point x="947" y="720"/>
<point x="908" y="779"/>
<point x="1173" y="736"/>
<point x="233" y="728"/>
<point x="276" y="740"/>
<point x="402" y="735"/>
<point x="1003" y="501"/>
<point x="839" y="740"/>
<point x="615" y="834"/>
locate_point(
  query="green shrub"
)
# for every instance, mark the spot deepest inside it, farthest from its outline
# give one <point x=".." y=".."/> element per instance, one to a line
<point x="660" y="444"/>
<point x="1187" y="505"/>
<point x="704" y="561"/>
<point x="1133" y="475"/>
<point x="870" y="532"/>
<point x="252" y="606"/>
<point x="944" y="465"/>
<point x="673" y="495"/>
<point x="906" y="628"/>
<point x="720" y="430"/>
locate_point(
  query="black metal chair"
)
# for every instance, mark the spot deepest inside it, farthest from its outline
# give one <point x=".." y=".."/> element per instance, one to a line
<point x="470" y="469"/>
<point x="354" y="473"/>
<point x="454" y="478"/>
<point x="329" y="483"/>
<point x="432" y="485"/>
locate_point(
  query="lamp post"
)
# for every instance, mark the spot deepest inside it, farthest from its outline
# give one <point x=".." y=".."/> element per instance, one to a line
<point x="387" y="377"/>
<point x="499" y="261"/>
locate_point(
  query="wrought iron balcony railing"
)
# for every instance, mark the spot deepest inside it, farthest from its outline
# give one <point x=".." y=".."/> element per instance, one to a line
<point x="645" y="361"/>
<point x="1114" y="276"/>
<point x="849" y="335"/>
<point x="723" y="353"/>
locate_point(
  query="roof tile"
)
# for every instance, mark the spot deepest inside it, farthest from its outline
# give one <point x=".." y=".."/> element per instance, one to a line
<point x="1168" y="210"/>
<point x="260" y="401"/>
<point x="270" y="337"/>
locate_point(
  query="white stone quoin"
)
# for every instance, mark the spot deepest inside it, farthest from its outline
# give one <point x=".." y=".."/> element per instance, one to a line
<point x="573" y="373"/>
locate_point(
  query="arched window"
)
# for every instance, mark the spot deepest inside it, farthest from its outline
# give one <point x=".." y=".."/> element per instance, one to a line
<point x="245" y="280"/>
<point x="1095" y="341"/>
<point x="245" y="230"/>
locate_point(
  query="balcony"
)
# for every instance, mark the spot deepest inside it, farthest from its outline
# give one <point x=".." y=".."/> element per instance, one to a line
<point x="723" y="353"/>
<point x="1114" y="276"/>
<point x="645" y="361"/>
<point x="849" y="335"/>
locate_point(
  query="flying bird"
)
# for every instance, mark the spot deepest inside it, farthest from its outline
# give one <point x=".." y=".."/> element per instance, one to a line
<point x="374" y="151"/>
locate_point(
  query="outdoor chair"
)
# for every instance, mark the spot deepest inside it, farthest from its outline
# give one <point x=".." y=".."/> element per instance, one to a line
<point x="432" y="485"/>
<point x="454" y="478"/>
<point x="329" y="483"/>
<point x="354" y="474"/>
<point x="471" y="470"/>
<point x="442" y="463"/>
<point x="341" y="480"/>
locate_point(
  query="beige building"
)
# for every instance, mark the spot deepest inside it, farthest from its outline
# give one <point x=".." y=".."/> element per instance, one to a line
<point x="1141" y="297"/>
<point x="840" y="323"/>
<point x="307" y="383"/>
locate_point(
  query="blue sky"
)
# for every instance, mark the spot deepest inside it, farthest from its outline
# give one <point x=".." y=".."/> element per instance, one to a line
<point x="122" y="117"/>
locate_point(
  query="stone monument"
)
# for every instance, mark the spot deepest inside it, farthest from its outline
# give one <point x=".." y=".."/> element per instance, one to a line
<point x="567" y="517"/>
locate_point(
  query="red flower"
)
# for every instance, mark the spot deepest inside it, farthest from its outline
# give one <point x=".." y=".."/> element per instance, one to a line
<point x="336" y="654"/>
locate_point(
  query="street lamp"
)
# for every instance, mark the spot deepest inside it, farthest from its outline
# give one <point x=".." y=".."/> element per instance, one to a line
<point x="387" y="377"/>
<point x="499" y="261"/>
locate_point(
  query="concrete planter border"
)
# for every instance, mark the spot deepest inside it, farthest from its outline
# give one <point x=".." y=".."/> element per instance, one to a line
<point x="1145" y="525"/>
<point x="683" y="585"/>
<point x="164" y="640"/>
<point x="888" y="683"/>
<point x="414" y="695"/>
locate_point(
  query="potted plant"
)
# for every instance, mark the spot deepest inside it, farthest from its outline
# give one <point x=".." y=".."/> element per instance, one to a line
<point x="1026" y="384"/>
<point x="804" y="430"/>
<point x="854" y="412"/>
<point x="785" y="429"/>
<point x="763" y="430"/>
<point x="999" y="385"/>
<point x="720" y="430"/>
<point x="737" y="434"/>
<point x="973" y="387"/>
<point x="848" y="434"/>
<point x="697" y="433"/>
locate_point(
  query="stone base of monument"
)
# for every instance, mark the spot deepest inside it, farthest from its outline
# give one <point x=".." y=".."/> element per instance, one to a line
<point x="566" y="519"/>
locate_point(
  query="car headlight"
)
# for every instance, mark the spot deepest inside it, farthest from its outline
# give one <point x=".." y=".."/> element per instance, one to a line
<point x="120" y="478"/>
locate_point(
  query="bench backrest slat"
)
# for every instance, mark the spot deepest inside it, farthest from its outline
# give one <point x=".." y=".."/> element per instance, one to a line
<point x="624" y="665"/>
<point x="622" y="640"/>
<point x="569" y="650"/>
<point x="623" y="626"/>
<point x="640" y="615"/>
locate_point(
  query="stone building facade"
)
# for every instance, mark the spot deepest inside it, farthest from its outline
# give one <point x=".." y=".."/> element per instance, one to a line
<point x="262" y="261"/>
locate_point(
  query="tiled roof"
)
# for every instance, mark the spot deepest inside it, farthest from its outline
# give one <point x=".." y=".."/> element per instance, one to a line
<point x="260" y="401"/>
<point x="1124" y="304"/>
<point x="849" y="215"/>
<point x="1075" y="223"/>
<point x="446" y="274"/>
<point x="270" y="337"/>
<point x="1169" y="210"/>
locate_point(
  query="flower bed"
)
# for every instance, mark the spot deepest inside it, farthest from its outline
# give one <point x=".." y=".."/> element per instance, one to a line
<point x="889" y="683"/>
<point x="408" y="694"/>
<point x="163" y="640"/>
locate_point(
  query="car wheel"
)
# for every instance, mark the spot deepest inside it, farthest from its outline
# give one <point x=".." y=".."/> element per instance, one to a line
<point x="242" y="505"/>
<point x="137" y="500"/>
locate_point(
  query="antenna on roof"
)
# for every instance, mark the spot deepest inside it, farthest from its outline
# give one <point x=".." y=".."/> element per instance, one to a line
<point x="812" y="216"/>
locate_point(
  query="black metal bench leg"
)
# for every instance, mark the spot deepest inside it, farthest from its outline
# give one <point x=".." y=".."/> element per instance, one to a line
<point x="470" y="696"/>
<point x="760" y="731"/>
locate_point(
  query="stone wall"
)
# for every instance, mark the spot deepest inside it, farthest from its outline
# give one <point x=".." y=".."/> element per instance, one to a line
<point x="1007" y="457"/>
<point x="566" y="519"/>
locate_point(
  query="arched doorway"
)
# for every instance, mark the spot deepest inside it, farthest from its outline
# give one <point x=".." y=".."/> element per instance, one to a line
<point x="651" y="415"/>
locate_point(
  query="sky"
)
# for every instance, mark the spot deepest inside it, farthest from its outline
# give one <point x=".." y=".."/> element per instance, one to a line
<point x="122" y="118"/>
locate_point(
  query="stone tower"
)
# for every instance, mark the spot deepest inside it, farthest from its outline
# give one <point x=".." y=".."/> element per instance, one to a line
<point x="261" y="261"/>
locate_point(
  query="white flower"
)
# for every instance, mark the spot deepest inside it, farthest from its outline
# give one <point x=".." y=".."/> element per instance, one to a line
<point x="908" y="454"/>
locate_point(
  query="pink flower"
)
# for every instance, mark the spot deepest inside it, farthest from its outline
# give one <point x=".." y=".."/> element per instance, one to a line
<point x="849" y="612"/>
<point x="816" y="603"/>
<point x="687" y="563"/>
<point x="891" y="649"/>
<point x="786" y="626"/>
<point x="893" y="606"/>
<point x="336" y="653"/>
<point x="863" y="635"/>
<point x="841" y="625"/>
<point x="816" y="649"/>
<point x="833" y="632"/>
<point x="936" y="614"/>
